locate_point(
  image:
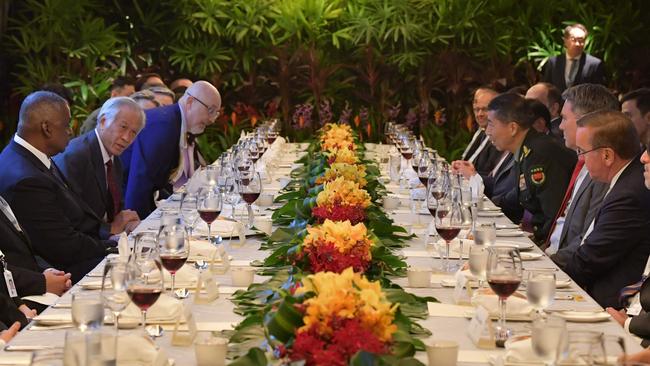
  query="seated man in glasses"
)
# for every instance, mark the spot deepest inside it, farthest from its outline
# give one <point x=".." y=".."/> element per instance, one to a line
<point x="164" y="155"/>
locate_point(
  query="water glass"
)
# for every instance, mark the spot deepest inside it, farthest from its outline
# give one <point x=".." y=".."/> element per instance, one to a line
<point x="87" y="310"/>
<point x="114" y="288"/>
<point x="485" y="233"/>
<point x="540" y="288"/>
<point x="478" y="255"/>
<point x="548" y="337"/>
<point x="580" y="347"/>
<point x="90" y="348"/>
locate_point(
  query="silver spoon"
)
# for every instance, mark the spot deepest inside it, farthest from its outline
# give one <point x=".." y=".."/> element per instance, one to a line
<point x="200" y="264"/>
<point x="154" y="331"/>
<point x="182" y="293"/>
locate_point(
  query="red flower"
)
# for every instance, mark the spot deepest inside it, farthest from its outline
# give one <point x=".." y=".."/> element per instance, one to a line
<point x="326" y="257"/>
<point x="355" y="214"/>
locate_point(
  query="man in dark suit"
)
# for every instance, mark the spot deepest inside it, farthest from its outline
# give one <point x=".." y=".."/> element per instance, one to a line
<point x="91" y="165"/>
<point x="164" y="154"/>
<point x="551" y="97"/>
<point x="636" y="105"/>
<point x="479" y="151"/>
<point x="615" y="249"/>
<point x="62" y="228"/>
<point x="574" y="66"/>
<point x="583" y="198"/>
<point x="543" y="167"/>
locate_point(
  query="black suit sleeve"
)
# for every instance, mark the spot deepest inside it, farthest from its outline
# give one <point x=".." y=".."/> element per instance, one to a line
<point x="640" y="325"/>
<point x="28" y="282"/>
<point x="599" y="74"/>
<point x="51" y="231"/>
<point x="548" y="71"/>
<point x="603" y="249"/>
<point x="9" y="312"/>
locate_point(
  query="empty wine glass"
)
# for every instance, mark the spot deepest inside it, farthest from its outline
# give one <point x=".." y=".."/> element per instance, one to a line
<point x="209" y="206"/>
<point x="87" y="310"/>
<point x="504" y="272"/>
<point x="540" y="288"/>
<point x="250" y="188"/>
<point x="547" y="338"/>
<point x="144" y="282"/>
<point x="114" y="289"/>
<point x="174" y="248"/>
<point x="189" y="212"/>
<point x="448" y="224"/>
<point x="478" y="255"/>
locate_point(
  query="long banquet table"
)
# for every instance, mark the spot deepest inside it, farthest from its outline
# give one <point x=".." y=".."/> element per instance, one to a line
<point x="219" y="314"/>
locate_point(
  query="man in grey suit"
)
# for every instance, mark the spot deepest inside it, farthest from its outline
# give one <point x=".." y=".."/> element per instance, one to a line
<point x="91" y="166"/>
<point x="584" y="196"/>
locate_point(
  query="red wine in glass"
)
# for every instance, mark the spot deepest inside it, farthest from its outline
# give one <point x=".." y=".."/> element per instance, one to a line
<point x="442" y="213"/>
<point x="143" y="298"/>
<point x="448" y="233"/>
<point x="504" y="286"/>
<point x="245" y="181"/>
<point x="271" y="139"/>
<point x="424" y="180"/>
<point x="209" y="215"/>
<point x="250" y="197"/>
<point x="438" y="194"/>
<point x="415" y="167"/>
<point x="243" y="168"/>
<point x="173" y="262"/>
<point x="407" y="154"/>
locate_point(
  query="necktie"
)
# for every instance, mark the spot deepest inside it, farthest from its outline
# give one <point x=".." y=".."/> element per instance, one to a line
<point x="567" y="197"/>
<point x="113" y="192"/>
<point x="57" y="174"/>
<point x="629" y="291"/>
<point x="573" y="70"/>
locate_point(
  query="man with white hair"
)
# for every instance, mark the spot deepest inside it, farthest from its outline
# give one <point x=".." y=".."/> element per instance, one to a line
<point x="165" y="154"/>
<point x="91" y="166"/>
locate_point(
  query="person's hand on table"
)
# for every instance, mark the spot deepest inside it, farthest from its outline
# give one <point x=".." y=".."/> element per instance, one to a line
<point x="57" y="282"/>
<point x="131" y="225"/>
<point x="7" y="335"/>
<point x="463" y="167"/>
<point x="642" y="356"/>
<point x="619" y="315"/>
<point x="121" y="220"/>
<point x="29" y="313"/>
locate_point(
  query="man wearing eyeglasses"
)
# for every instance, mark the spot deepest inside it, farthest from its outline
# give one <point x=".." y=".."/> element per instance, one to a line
<point x="614" y="251"/>
<point x="574" y="66"/>
<point x="164" y="155"/>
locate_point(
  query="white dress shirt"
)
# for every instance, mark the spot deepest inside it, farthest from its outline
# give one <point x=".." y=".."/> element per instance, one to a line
<point x="40" y="155"/>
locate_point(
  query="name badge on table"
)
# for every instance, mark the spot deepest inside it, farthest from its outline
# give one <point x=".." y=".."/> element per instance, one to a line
<point x="480" y="329"/>
<point x="206" y="281"/>
<point x="463" y="290"/>
<point x="182" y="337"/>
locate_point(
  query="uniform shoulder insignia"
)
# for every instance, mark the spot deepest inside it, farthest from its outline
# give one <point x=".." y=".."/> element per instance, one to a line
<point x="526" y="151"/>
<point x="537" y="175"/>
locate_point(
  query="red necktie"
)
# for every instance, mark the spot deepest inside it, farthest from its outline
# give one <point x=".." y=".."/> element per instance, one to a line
<point x="567" y="197"/>
<point x="113" y="192"/>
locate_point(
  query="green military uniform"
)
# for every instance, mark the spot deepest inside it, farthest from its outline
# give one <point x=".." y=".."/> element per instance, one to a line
<point x="544" y="169"/>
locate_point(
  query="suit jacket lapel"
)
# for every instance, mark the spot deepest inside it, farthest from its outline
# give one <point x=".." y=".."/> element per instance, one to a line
<point x="98" y="166"/>
<point x="505" y="167"/>
<point x="586" y="182"/>
<point x="581" y="66"/>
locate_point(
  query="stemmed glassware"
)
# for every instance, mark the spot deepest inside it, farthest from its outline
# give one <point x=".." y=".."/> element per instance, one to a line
<point x="504" y="272"/>
<point x="209" y="206"/>
<point x="478" y="255"/>
<point x="540" y="288"/>
<point x="448" y="222"/>
<point x="189" y="212"/>
<point x="114" y="288"/>
<point x="174" y="249"/>
<point x="250" y="188"/>
<point x="144" y="278"/>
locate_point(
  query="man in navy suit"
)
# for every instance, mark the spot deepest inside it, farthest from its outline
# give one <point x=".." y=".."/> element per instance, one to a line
<point x="574" y="66"/>
<point x="164" y="154"/>
<point x="63" y="230"/>
<point x="615" y="249"/>
<point x="91" y="166"/>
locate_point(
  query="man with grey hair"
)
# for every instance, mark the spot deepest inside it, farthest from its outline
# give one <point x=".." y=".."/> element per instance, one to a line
<point x="583" y="197"/>
<point x="92" y="167"/>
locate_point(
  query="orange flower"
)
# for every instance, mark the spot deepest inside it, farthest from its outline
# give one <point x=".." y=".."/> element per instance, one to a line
<point x="357" y="121"/>
<point x="253" y="121"/>
<point x="233" y="118"/>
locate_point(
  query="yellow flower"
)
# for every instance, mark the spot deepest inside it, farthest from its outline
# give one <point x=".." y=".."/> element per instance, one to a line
<point x="342" y="155"/>
<point x="342" y="234"/>
<point x="347" y="295"/>
<point x="343" y="192"/>
<point x="337" y="136"/>
<point x="354" y="173"/>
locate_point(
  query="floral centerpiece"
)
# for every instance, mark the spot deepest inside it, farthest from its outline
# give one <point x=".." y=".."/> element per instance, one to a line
<point x="351" y="172"/>
<point x="342" y="155"/>
<point x="335" y="246"/>
<point x="341" y="200"/>
<point x="335" y="136"/>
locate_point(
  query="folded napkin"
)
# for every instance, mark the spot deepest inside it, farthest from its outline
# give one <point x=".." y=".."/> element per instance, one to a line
<point x="185" y="277"/>
<point x="515" y="305"/>
<point x="47" y="298"/>
<point x="132" y="349"/>
<point x="201" y="249"/>
<point x="165" y="310"/>
<point x="520" y="349"/>
<point x="123" y="246"/>
<point x="221" y="227"/>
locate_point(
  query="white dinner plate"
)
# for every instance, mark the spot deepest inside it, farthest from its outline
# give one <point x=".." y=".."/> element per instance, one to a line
<point x="530" y="256"/>
<point x="583" y="316"/>
<point x="489" y="214"/>
<point x="510" y="233"/>
<point x="506" y="226"/>
<point x="524" y="245"/>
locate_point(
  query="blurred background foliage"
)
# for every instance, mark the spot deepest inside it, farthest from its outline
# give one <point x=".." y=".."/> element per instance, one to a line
<point x="311" y="61"/>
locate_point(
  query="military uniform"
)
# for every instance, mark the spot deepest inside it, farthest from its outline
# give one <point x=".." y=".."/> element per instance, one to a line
<point x="544" y="169"/>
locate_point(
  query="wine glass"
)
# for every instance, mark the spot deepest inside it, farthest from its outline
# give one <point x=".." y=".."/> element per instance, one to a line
<point x="478" y="255"/>
<point x="580" y="346"/>
<point x="448" y="224"/>
<point x="87" y="311"/>
<point x="466" y="219"/>
<point x="540" y="288"/>
<point x="504" y="271"/>
<point x="232" y="195"/>
<point x="424" y="168"/>
<point x="114" y="289"/>
<point x="189" y="212"/>
<point x="144" y="281"/>
<point x="547" y="338"/>
<point x="174" y="248"/>
<point x="209" y="206"/>
<point x="612" y="352"/>
<point x="250" y="188"/>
